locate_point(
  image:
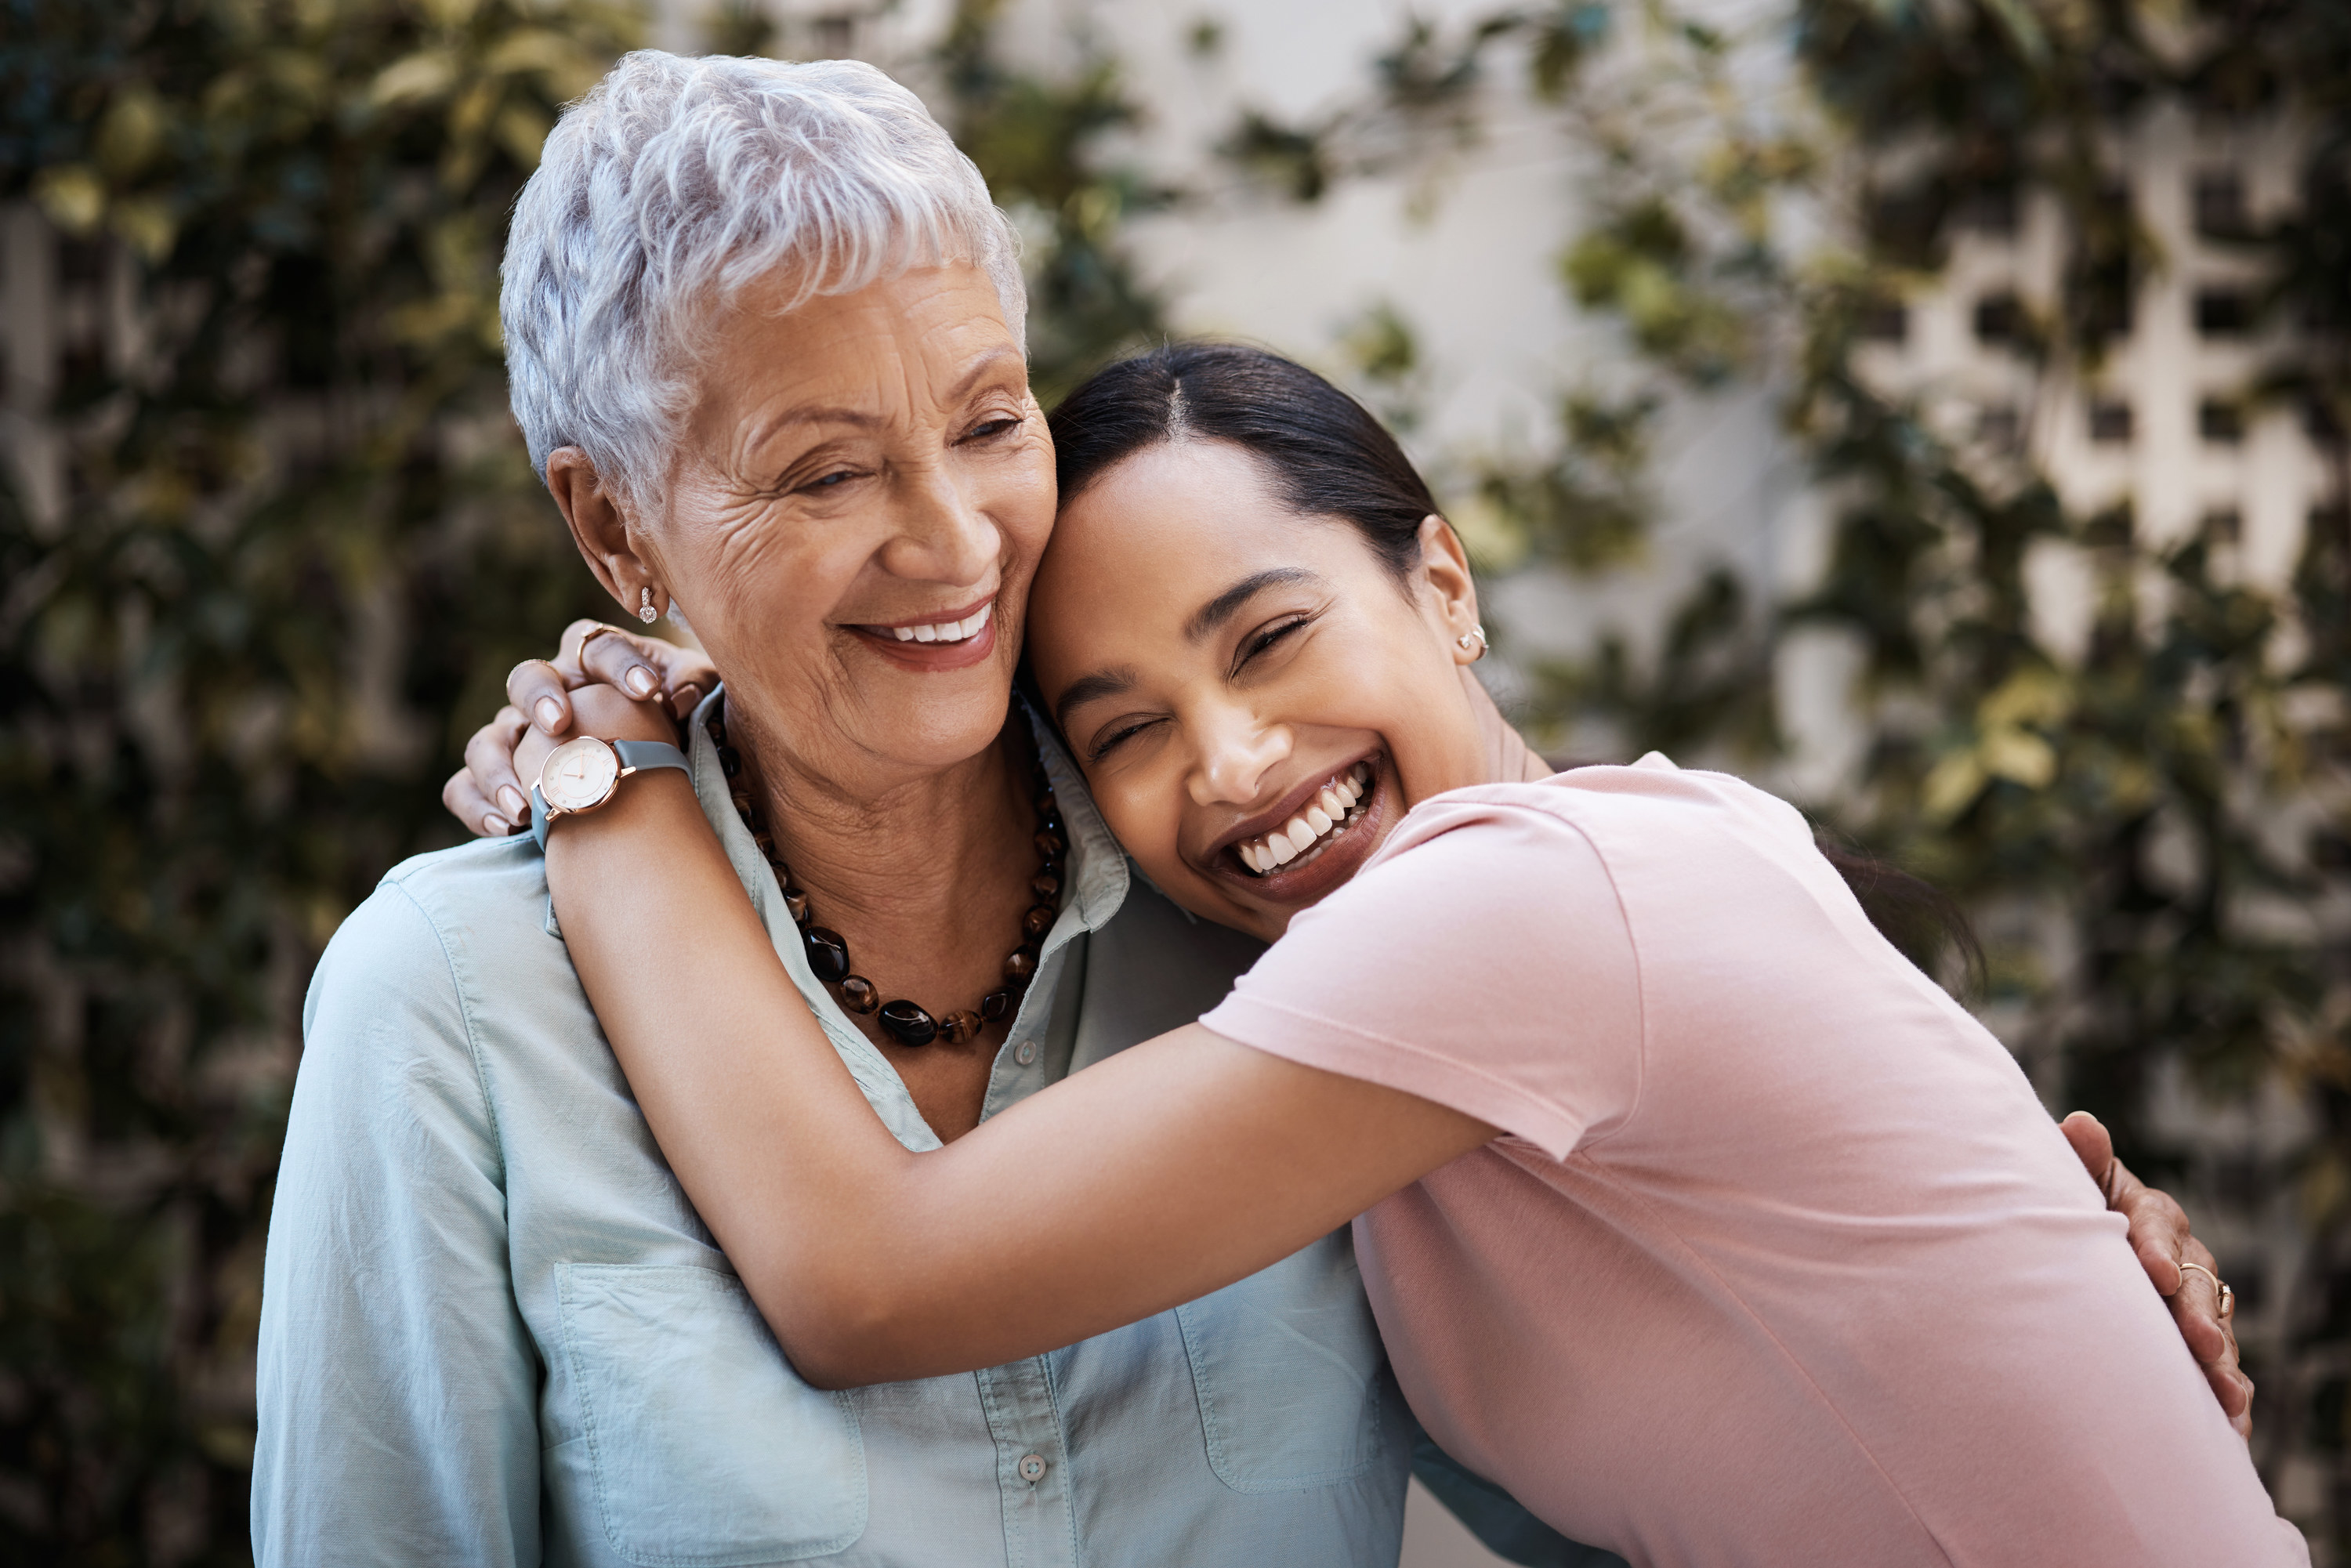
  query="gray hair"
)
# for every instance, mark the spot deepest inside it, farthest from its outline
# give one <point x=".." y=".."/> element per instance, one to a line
<point x="673" y="185"/>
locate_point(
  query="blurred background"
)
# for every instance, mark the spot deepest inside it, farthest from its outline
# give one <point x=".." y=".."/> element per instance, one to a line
<point x="1932" y="409"/>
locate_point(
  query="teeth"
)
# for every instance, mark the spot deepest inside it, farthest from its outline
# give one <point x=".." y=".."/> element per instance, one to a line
<point x="946" y="630"/>
<point x="1327" y="811"/>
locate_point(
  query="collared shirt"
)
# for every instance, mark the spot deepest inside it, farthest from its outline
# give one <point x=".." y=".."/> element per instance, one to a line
<point x="494" y="1331"/>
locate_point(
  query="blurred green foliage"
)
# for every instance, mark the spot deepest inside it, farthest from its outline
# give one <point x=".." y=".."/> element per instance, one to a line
<point x="293" y="547"/>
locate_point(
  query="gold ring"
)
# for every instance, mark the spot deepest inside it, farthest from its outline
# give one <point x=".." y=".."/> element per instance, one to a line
<point x="598" y="630"/>
<point x="2228" y="1298"/>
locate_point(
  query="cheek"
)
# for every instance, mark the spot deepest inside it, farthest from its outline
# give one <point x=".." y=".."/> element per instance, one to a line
<point x="1021" y="501"/>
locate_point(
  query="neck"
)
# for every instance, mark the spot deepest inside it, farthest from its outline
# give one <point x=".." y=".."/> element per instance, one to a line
<point x="925" y="876"/>
<point x="919" y="854"/>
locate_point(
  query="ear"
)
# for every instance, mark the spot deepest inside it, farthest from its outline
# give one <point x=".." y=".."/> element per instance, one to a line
<point x="1445" y="572"/>
<point x="601" y="529"/>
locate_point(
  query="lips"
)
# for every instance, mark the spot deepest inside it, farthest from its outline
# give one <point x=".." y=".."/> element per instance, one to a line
<point x="1325" y="815"/>
<point x="956" y="640"/>
<point x="944" y="630"/>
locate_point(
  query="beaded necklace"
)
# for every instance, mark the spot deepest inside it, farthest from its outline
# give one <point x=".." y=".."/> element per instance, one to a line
<point x="828" y="952"/>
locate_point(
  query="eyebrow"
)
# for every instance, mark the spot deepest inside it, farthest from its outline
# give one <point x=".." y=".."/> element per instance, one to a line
<point x="1101" y="683"/>
<point x="860" y="420"/>
<point x="1224" y="605"/>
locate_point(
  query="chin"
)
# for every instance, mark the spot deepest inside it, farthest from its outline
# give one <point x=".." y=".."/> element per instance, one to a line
<point x="952" y="724"/>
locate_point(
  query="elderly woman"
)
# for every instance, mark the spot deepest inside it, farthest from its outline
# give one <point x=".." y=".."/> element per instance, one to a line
<point x="765" y="330"/>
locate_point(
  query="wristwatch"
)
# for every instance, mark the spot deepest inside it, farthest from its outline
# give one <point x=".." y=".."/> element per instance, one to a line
<point x="582" y="775"/>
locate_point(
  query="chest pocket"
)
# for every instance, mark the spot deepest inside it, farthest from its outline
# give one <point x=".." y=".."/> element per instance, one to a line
<point x="706" y="1448"/>
<point x="1288" y="1365"/>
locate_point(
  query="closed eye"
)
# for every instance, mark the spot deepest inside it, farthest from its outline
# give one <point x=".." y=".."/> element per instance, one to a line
<point x="1260" y="640"/>
<point x="989" y="429"/>
<point x="831" y="481"/>
<point x="1119" y="734"/>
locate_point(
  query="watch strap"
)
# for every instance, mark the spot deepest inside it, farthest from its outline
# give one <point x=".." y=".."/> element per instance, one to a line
<point x="641" y="755"/>
<point x="636" y="756"/>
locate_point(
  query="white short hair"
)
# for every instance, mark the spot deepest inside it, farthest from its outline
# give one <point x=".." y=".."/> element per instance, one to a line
<point x="673" y="185"/>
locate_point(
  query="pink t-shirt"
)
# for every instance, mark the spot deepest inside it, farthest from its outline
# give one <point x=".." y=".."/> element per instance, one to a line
<point x="1779" y="1259"/>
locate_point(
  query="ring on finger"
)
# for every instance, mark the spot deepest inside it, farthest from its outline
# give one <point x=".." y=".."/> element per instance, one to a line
<point x="598" y="630"/>
<point x="2228" y="1298"/>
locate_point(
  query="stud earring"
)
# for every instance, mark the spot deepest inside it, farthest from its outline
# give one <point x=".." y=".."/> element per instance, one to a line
<point x="1478" y="635"/>
<point x="645" y="610"/>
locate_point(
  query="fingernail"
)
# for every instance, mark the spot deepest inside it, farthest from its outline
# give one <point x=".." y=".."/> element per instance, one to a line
<point x="495" y="825"/>
<point x="550" y="715"/>
<point x="639" y="680"/>
<point x="511" y="800"/>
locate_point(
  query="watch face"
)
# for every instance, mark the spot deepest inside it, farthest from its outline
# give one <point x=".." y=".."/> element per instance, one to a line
<point x="578" y="774"/>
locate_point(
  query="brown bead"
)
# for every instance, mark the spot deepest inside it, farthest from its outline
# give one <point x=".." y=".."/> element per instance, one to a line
<point x="996" y="1006"/>
<point x="1050" y="845"/>
<point x="742" y="800"/>
<point x="1021" y="966"/>
<point x="1044" y="885"/>
<point x="718" y="728"/>
<point x="1039" y="920"/>
<point x="766" y="844"/>
<point x="908" y="1024"/>
<point x="858" y="994"/>
<point x="796" y="905"/>
<point x="827" y="954"/>
<point x="730" y="761"/>
<point x="959" y="1026"/>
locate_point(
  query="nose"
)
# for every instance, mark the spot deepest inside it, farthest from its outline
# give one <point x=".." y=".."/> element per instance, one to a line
<point x="942" y="535"/>
<point x="1236" y="750"/>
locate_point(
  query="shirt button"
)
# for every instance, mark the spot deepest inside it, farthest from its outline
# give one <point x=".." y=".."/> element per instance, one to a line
<point x="1032" y="1468"/>
<point x="1025" y="1053"/>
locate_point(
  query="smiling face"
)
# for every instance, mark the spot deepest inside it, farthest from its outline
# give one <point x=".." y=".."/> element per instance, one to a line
<point x="855" y="519"/>
<point x="1254" y="698"/>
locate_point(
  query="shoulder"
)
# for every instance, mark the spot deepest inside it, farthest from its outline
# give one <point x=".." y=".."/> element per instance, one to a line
<point x="1639" y="820"/>
<point x="401" y="970"/>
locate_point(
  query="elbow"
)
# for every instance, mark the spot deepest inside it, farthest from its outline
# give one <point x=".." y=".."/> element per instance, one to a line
<point x="837" y="1334"/>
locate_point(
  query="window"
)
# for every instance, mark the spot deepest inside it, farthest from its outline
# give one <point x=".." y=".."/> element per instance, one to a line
<point x="2000" y="318"/>
<point x="2110" y="421"/>
<point x="2222" y="420"/>
<point x="2218" y="202"/>
<point x="2223" y="312"/>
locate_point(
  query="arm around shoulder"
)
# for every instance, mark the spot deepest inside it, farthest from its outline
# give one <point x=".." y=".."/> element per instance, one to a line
<point x="397" y="1386"/>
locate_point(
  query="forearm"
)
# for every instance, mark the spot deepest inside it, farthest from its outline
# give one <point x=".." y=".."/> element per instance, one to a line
<point x="1178" y="1168"/>
<point x="753" y="1108"/>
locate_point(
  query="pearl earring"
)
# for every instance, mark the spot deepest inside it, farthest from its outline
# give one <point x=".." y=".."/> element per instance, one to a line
<point x="645" y="610"/>
<point x="1476" y="633"/>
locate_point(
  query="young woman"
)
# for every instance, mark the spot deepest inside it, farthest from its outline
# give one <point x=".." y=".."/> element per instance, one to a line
<point x="1660" y="1156"/>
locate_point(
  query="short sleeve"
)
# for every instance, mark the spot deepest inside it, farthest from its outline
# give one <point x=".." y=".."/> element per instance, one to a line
<point x="1480" y="960"/>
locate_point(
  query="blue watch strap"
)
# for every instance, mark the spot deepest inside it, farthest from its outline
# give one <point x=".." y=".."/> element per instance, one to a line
<point x="641" y="755"/>
<point x="636" y="756"/>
